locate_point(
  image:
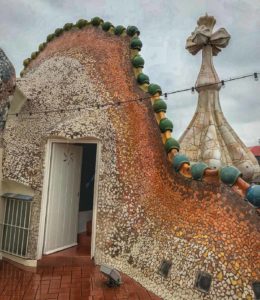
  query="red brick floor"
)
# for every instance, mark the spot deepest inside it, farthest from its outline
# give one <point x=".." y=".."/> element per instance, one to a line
<point x="65" y="282"/>
<point x="82" y="249"/>
<point x="68" y="274"/>
<point x="75" y="256"/>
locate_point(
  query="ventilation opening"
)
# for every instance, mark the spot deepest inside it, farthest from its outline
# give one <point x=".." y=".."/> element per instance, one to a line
<point x="203" y="281"/>
<point x="15" y="224"/>
<point x="256" y="289"/>
<point x="165" y="268"/>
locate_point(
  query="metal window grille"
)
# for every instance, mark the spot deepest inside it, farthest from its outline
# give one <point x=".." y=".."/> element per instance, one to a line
<point x="16" y="224"/>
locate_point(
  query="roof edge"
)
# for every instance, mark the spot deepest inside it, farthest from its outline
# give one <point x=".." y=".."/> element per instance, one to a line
<point x="228" y="175"/>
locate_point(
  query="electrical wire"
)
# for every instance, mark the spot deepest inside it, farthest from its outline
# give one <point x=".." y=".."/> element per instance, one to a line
<point x="118" y="103"/>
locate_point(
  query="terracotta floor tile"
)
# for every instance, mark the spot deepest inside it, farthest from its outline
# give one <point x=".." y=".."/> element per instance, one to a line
<point x="97" y="297"/>
<point x="52" y="295"/>
<point x="76" y="294"/>
<point x="54" y="290"/>
<point x="75" y="290"/>
<point x="66" y="279"/>
<point x="46" y="296"/>
<point x="109" y="294"/>
<point x="43" y="290"/>
<point x="74" y="278"/>
<point x="64" y="297"/>
<point x="54" y="287"/>
<point x="65" y="285"/>
<point x="77" y="279"/>
<point x="30" y="294"/>
<point x="65" y="290"/>
<point x="133" y="296"/>
<point x="56" y="277"/>
<point x="85" y="293"/>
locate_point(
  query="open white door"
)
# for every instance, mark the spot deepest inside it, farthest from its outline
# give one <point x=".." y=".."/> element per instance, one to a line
<point x="63" y="198"/>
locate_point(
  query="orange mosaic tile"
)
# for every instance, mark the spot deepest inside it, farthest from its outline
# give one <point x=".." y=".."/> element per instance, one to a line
<point x="146" y="211"/>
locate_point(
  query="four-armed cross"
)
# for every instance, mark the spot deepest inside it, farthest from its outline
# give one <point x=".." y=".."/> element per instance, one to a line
<point x="210" y="43"/>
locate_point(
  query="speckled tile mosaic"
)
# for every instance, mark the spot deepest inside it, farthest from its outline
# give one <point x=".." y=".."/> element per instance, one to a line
<point x="146" y="212"/>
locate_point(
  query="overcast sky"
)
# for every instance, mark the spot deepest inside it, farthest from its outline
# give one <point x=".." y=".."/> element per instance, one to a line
<point x="164" y="26"/>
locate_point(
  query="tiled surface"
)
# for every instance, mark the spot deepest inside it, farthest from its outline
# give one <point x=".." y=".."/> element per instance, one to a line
<point x="75" y="256"/>
<point x="82" y="249"/>
<point x="145" y="212"/>
<point x="66" y="282"/>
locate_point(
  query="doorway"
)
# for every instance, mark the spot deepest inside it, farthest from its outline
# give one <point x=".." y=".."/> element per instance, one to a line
<point x="70" y="196"/>
<point x="88" y="170"/>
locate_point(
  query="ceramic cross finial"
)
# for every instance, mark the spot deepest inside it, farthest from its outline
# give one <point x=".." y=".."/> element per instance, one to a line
<point x="209" y="137"/>
<point x="210" y="43"/>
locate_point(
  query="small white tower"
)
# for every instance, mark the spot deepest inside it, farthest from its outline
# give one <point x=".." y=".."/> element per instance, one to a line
<point x="209" y="137"/>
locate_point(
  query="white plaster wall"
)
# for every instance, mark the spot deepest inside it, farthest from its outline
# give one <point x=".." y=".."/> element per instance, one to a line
<point x="10" y="186"/>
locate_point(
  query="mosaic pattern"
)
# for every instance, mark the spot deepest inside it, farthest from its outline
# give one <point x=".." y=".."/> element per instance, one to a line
<point x="7" y="71"/>
<point x="7" y="85"/>
<point x="209" y="137"/>
<point x="241" y="156"/>
<point x="146" y="212"/>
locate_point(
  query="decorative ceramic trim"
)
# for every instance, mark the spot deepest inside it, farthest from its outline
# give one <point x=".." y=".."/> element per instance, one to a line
<point x="241" y="187"/>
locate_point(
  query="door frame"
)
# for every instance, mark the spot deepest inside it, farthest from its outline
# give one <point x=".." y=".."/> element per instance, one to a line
<point x="45" y="190"/>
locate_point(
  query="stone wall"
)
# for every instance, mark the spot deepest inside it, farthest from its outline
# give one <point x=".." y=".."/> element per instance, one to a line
<point x="146" y="212"/>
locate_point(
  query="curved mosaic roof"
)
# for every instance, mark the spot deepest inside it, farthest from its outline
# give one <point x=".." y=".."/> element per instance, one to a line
<point x="227" y="175"/>
<point x="7" y="76"/>
<point x="6" y="68"/>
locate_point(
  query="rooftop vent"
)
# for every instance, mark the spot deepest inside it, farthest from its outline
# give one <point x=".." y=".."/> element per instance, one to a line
<point x="203" y="281"/>
<point x="165" y="268"/>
